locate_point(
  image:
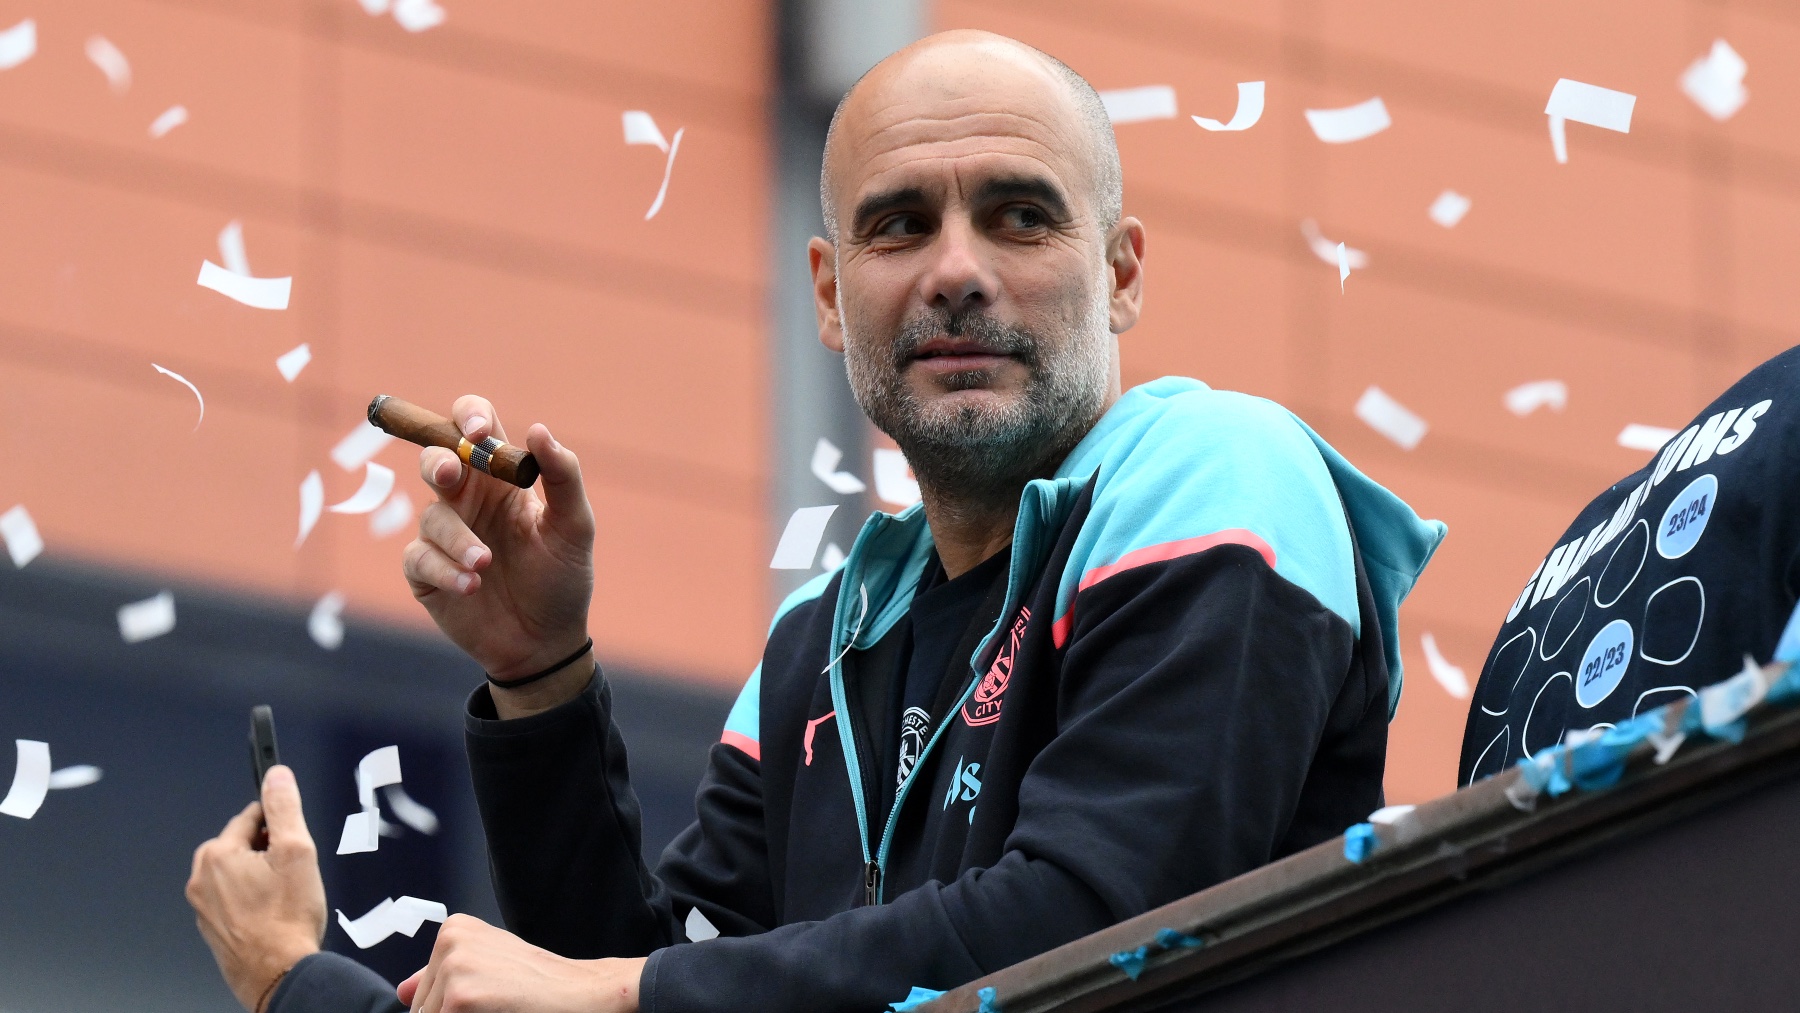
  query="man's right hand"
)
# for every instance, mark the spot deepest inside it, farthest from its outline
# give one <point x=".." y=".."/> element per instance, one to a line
<point x="506" y="574"/>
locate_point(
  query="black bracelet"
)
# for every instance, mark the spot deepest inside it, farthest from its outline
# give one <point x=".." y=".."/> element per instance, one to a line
<point x="546" y="673"/>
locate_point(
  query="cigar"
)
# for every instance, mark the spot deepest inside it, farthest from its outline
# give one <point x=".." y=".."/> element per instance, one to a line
<point x="429" y="429"/>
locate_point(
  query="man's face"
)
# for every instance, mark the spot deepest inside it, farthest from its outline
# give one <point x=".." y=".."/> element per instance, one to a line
<point x="973" y="288"/>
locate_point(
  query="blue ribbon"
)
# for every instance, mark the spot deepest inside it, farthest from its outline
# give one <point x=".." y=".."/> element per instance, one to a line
<point x="988" y="1005"/>
<point x="1132" y="961"/>
<point x="1360" y="842"/>
<point x="916" y="998"/>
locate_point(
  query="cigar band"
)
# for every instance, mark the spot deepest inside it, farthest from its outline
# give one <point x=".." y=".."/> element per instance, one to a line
<point x="479" y="455"/>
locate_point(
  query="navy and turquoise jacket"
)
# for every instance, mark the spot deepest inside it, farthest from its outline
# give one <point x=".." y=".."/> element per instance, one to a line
<point x="1191" y="675"/>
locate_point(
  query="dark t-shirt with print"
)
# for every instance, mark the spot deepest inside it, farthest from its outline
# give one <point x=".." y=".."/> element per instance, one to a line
<point x="1662" y="584"/>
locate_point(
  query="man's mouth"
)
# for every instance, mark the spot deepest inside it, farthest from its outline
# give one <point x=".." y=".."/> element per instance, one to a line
<point x="957" y="355"/>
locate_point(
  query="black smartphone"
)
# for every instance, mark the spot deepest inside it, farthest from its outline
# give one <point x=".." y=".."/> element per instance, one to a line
<point x="263" y="753"/>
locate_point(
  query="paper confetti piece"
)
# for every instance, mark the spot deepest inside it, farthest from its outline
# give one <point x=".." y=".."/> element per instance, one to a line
<point x="325" y="625"/>
<point x="893" y="478"/>
<point x="261" y="293"/>
<point x="1454" y="680"/>
<point x="17" y="44"/>
<point x="699" y="927"/>
<point x="825" y="460"/>
<point x="23" y="543"/>
<point x="1390" y="815"/>
<point x="378" y="481"/>
<point x="172" y="117"/>
<point x="1716" y="81"/>
<point x="409" y="811"/>
<point x="1641" y="437"/>
<point x="231" y="248"/>
<point x="1449" y="208"/>
<point x="1135" y="105"/>
<point x="31" y="779"/>
<point x="1390" y="418"/>
<point x="292" y="362"/>
<point x="312" y="503"/>
<point x="1350" y="123"/>
<point x="376" y="7"/>
<point x="111" y="62"/>
<point x="800" y="539"/>
<point x="78" y="776"/>
<point x="1343" y="263"/>
<point x="1529" y="397"/>
<point x="1249" y="109"/>
<point x="832" y="558"/>
<point x="668" y="167"/>
<point x="1326" y="250"/>
<point x="641" y="128"/>
<point x="418" y="15"/>
<point x="147" y="619"/>
<point x="1585" y="103"/>
<point x="362" y="829"/>
<point x="395" y="515"/>
<point x="359" y="446"/>
<point x="185" y="383"/>
<point x="404" y="916"/>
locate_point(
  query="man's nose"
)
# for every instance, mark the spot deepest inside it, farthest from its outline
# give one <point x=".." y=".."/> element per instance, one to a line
<point x="961" y="276"/>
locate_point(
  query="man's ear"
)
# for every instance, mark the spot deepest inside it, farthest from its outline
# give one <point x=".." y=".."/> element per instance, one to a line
<point x="823" y="259"/>
<point x="1125" y="272"/>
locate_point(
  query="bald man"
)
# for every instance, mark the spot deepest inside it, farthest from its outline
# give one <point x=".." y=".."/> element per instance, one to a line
<point x="1129" y="645"/>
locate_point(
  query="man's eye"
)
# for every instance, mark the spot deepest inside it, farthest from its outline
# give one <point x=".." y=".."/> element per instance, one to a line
<point x="1023" y="217"/>
<point x="901" y="225"/>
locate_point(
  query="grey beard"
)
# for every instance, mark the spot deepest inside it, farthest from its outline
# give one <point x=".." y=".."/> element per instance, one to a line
<point x="982" y="457"/>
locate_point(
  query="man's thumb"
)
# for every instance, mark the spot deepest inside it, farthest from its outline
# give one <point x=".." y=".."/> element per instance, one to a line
<point x="281" y="807"/>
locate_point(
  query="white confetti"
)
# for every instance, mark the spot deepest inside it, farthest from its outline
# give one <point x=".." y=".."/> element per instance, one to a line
<point x="17" y="44"/>
<point x="376" y="7"/>
<point x="1641" y="437"/>
<point x="410" y="811"/>
<point x="78" y="776"/>
<point x="1585" y="103"/>
<point x="1390" y="418"/>
<point x="147" y="619"/>
<point x="1135" y="105"/>
<point x="1326" y="250"/>
<point x="185" y="383"/>
<point x="1716" y="81"/>
<point x="111" y="62"/>
<point x="231" y="248"/>
<point x="362" y="829"/>
<point x="800" y="539"/>
<point x="1529" y="397"/>
<point x="418" y="15"/>
<point x="1350" y="123"/>
<point x="293" y="361"/>
<point x="825" y="460"/>
<point x="1343" y="263"/>
<point x="641" y="128"/>
<point x="668" y="167"/>
<point x="172" y="117"/>
<point x="325" y="625"/>
<point x="23" y="543"/>
<point x="894" y="482"/>
<point x="261" y="293"/>
<point x="395" y="515"/>
<point x="31" y="779"/>
<point x="1388" y="815"/>
<point x="699" y="927"/>
<point x="1449" y="208"/>
<point x="359" y="446"/>
<point x="404" y="916"/>
<point x="832" y="558"/>
<point x="312" y="503"/>
<point x="378" y="481"/>
<point x="1454" y="680"/>
<point x="1249" y="109"/>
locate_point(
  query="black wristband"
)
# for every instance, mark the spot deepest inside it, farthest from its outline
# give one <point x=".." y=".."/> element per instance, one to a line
<point x="546" y="673"/>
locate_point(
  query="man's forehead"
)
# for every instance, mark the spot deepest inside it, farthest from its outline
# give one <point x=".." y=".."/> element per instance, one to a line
<point x="981" y="108"/>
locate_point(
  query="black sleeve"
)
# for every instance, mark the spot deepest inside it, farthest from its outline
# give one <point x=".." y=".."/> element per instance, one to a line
<point x="1195" y="694"/>
<point x="564" y="835"/>
<point x="329" y="983"/>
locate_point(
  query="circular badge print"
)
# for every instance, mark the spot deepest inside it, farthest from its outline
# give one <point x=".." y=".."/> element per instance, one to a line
<point x="1685" y="520"/>
<point x="1604" y="664"/>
